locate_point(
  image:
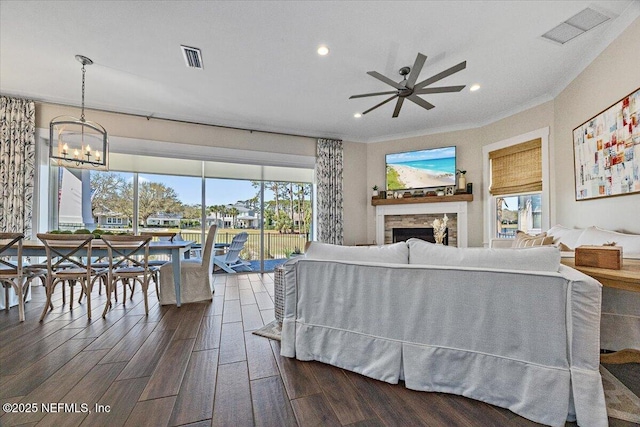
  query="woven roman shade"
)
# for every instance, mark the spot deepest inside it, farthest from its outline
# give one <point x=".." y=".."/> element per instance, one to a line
<point x="517" y="168"/>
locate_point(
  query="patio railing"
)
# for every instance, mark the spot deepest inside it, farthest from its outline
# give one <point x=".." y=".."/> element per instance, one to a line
<point x="276" y="245"/>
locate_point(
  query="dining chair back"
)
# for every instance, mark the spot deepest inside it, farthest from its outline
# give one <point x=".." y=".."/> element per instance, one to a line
<point x="68" y="260"/>
<point x="195" y="276"/>
<point x="160" y="235"/>
<point x="128" y="263"/>
<point x="11" y="272"/>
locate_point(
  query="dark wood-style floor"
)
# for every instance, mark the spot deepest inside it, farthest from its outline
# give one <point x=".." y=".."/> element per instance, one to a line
<point x="197" y="365"/>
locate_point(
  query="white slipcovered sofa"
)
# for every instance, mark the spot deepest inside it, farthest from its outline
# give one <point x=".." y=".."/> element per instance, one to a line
<point x="570" y="238"/>
<point x="513" y="328"/>
<point x="619" y="322"/>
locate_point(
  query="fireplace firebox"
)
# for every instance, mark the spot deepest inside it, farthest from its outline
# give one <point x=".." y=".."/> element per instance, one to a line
<point x="426" y="234"/>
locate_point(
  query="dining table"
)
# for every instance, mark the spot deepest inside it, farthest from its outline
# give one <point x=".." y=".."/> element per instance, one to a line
<point x="176" y="249"/>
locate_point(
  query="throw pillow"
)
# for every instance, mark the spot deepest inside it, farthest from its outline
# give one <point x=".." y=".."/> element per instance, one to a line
<point x="567" y="236"/>
<point x="524" y="240"/>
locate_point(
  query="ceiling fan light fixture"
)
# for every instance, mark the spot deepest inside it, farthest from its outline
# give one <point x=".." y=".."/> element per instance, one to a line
<point x="474" y="87"/>
<point x="323" y="50"/>
<point x="357" y="115"/>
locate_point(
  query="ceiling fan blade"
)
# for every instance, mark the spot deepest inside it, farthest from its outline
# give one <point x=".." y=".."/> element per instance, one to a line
<point x="443" y="89"/>
<point x="415" y="70"/>
<point x="364" y="95"/>
<point x="387" y="80"/>
<point x="461" y="66"/>
<point x="421" y="102"/>
<point x="398" y="107"/>
<point x="380" y="104"/>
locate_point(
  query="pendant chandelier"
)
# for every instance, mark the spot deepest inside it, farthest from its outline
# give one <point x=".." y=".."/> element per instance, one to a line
<point x="78" y="143"/>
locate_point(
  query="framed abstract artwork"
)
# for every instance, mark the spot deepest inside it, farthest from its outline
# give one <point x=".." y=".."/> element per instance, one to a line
<point x="606" y="151"/>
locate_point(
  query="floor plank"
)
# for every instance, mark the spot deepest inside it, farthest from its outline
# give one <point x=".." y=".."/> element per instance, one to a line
<point x="144" y="362"/>
<point x="392" y="410"/>
<point x="231" y="312"/>
<point x="209" y="334"/>
<point x="195" y="399"/>
<point x="259" y="357"/>
<point x="130" y="343"/>
<point x="36" y="373"/>
<point x="264" y="300"/>
<point x="167" y="377"/>
<point x="345" y="400"/>
<point x="297" y="376"/>
<point x="154" y="412"/>
<point x="232" y="405"/>
<point x="232" y="347"/>
<point x="57" y="385"/>
<point x="314" y="410"/>
<point x="251" y="318"/>
<point x="271" y="406"/>
<point x="121" y="397"/>
<point x="88" y="391"/>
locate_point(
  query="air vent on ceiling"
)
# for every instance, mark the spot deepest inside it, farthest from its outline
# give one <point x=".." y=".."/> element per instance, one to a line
<point x="192" y="57"/>
<point x="578" y="24"/>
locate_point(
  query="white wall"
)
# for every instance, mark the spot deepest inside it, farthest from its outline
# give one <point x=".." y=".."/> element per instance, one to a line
<point x="611" y="76"/>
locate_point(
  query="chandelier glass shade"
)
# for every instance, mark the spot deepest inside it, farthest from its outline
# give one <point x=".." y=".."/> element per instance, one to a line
<point x="76" y="142"/>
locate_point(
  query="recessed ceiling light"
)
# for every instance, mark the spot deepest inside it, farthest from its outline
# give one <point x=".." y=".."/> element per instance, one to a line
<point x="357" y="115"/>
<point x="474" y="88"/>
<point x="323" y="50"/>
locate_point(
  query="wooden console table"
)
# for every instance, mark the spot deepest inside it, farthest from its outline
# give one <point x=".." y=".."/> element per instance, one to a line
<point x="628" y="278"/>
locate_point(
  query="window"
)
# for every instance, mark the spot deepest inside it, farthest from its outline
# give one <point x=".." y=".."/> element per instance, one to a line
<point x="522" y="212"/>
<point x="188" y="196"/>
<point x="517" y="194"/>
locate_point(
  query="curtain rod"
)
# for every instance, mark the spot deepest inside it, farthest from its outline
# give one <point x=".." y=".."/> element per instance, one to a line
<point x="149" y="117"/>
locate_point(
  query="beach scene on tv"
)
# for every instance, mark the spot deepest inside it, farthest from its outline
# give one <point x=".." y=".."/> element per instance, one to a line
<point x="421" y="169"/>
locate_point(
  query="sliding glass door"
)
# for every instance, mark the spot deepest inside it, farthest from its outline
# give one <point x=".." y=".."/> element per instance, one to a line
<point x="143" y="193"/>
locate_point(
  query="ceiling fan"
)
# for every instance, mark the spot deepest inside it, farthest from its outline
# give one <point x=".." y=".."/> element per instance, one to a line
<point x="409" y="89"/>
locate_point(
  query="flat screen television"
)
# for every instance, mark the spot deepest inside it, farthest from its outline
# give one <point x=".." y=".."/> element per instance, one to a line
<point x="431" y="168"/>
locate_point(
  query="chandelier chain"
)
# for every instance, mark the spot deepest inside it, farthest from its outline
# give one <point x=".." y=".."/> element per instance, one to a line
<point x="82" y="114"/>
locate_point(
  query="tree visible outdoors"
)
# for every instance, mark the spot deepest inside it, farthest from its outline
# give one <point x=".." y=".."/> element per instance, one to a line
<point x="111" y="193"/>
<point x="289" y="204"/>
<point x="288" y="211"/>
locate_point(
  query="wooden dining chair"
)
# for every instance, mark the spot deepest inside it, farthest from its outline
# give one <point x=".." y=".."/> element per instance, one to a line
<point x="159" y="236"/>
<point x="15" y="274"/>
<point x="128" y="263"/>
<point x="69" y="260"/>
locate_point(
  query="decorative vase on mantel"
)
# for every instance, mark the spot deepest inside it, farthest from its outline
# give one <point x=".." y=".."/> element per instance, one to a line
<point x="462" y="180"/>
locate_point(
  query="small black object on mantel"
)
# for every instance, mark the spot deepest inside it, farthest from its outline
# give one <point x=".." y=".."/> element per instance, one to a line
<point x="469" y="188"/>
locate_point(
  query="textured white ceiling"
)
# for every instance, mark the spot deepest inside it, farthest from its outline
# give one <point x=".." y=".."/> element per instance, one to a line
<point x="261" y="69"/>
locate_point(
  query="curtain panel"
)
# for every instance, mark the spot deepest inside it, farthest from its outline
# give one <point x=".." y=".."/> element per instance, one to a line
<point x="17" y="164"/>
<point x="329" y="191"/>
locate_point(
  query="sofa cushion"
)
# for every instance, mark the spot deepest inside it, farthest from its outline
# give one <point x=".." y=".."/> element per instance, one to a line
<point x="597" y="236"/>
<point x="565" y="235"/>
<point x="397" y="253"/>
<point x="544" y="258"/>
<point x="524" y="240"/>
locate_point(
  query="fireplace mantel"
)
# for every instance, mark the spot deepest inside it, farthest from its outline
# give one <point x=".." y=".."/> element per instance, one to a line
<point x="425" y="199"/>
<point x="416" y="208"/>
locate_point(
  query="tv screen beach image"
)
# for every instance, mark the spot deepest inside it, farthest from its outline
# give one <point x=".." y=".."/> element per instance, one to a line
<point x="421" y="169"/>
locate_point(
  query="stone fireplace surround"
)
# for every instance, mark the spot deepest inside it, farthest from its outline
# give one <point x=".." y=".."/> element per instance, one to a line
<point x="421" y="215"/>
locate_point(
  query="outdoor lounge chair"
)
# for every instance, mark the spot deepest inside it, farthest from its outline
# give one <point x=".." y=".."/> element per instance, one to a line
<point x="231" y="259"/>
